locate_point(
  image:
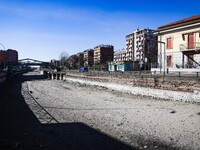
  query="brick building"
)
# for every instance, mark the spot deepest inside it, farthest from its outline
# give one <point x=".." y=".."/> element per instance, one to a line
<point x="102" y="55"/>
<point x="88" y="58"/>
<point x="12" y="56"/>
<point x="8" y="57"/>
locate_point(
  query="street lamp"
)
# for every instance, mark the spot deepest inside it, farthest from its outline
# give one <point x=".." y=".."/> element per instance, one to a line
<point x="3" y="46"/>
<point x="163" y="56"/>
<point x="160" y="54"/>
<point x="4" y="57"/>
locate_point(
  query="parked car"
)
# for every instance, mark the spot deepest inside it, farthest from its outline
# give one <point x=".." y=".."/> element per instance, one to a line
<point x="83" y="69"/>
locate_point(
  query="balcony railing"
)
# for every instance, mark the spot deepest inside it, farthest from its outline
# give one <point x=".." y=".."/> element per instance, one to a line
<point x="190" y="46"/>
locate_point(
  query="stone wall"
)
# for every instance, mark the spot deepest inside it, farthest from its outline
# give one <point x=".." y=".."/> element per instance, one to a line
<point x="168" y="83"/>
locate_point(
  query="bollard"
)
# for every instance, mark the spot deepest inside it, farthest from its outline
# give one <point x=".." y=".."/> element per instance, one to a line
<point x="197" y="74"/>
<point x="52" y="76"/>
<point x="61" y="76"/>
<point x="49" y="75"/>
<point x="179" y="74"/>
<point x="57" y="76"/>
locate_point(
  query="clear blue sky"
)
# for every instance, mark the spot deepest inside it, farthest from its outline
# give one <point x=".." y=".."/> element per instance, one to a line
<point x="42" y="29"/>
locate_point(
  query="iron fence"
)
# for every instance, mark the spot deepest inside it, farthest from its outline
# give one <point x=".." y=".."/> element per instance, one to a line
<point x="131" y="74"/>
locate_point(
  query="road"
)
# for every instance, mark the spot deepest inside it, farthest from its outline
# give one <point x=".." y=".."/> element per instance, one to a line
<point x="37" y="113"/>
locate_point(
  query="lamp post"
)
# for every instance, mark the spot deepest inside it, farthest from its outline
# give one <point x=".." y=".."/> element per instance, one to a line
<point x="4" y="57"/>
<point x="3" y="46"/>
<point x="163" y="56"/>
<point x="160" y="54"/>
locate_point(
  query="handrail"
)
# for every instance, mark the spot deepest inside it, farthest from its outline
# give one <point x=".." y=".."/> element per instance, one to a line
<point x="189" y="46"/>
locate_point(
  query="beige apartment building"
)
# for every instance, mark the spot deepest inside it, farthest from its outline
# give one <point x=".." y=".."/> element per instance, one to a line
<point x="145" y="48"/>
<point x="120" y="55"/>
<point x="179" y="44"/>
<point x="141" y="48"/>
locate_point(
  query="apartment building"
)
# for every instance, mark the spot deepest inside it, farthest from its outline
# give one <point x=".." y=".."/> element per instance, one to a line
<point x="120" y="55"/>
<point x="102" y="55"/>
<point x="180" y="47"/>
<point x="120" y="62"/>
<point x="129" y="47"/>
<point x="145" y="48"/>
<point x="88" y="57"/>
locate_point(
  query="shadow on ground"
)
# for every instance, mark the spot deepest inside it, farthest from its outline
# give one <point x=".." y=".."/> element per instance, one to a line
<point x="21" y="130"/>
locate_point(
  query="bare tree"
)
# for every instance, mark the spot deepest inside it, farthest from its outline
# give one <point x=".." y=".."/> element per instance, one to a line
<point x="63" y="59"/>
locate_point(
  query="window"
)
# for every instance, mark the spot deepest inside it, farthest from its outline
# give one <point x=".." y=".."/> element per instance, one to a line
<point x="183" y="37"/>
<point x="169" y="43"/>
<point x="169" y="61"/>
<point x="191" y="39"/>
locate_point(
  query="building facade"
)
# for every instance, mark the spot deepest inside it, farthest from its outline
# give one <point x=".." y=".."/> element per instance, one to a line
<point x="120" y="66"/>
<point x="180" y="47"/>
<point x="129" y="55"/>
<point x="88" y="58"/>
<point x="145" y="48"/>
<point x="3" y="55"/>
<point x="120" y="55"/>
<point x="8" y="57"/>
<point x="102" y="55"/>
<point x="12" y="56"/>
<point x="120" y="62"/>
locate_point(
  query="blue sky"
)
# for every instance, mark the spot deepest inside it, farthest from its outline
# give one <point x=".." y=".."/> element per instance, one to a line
<point x="42" y="29"/>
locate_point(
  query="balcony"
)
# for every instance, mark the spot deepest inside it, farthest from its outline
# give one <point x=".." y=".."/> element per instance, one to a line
<point x="190" y="47"/>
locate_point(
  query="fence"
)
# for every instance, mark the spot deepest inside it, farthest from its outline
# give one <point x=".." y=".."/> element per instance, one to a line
<point x="130" y="74"/>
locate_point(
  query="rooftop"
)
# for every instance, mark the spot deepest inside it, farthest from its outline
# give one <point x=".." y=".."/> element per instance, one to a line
<point x="183" y="22"/>
<point x="102" y="45"/>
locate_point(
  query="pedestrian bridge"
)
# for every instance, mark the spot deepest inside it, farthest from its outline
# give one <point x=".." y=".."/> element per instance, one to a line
<point x="33" y="62"/>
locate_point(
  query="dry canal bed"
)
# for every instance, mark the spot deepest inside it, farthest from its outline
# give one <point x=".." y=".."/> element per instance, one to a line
<point x="139" y="122"/>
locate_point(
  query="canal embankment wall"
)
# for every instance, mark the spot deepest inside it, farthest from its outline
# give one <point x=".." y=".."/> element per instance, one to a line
<point x="184" y="84"/>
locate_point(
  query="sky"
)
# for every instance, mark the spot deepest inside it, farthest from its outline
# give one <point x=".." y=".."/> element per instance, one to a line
<point x="43" y="29"/>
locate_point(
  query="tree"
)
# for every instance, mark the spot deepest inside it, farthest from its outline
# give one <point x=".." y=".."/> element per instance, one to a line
<point x="63" y="59"/>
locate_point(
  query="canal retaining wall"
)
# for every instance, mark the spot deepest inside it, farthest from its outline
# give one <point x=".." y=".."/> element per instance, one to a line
<point x="167" y="83"/>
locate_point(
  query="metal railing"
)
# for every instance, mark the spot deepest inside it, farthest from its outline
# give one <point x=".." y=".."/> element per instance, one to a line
<point x="133" y="74"/>
<point x="189" y="46"/>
